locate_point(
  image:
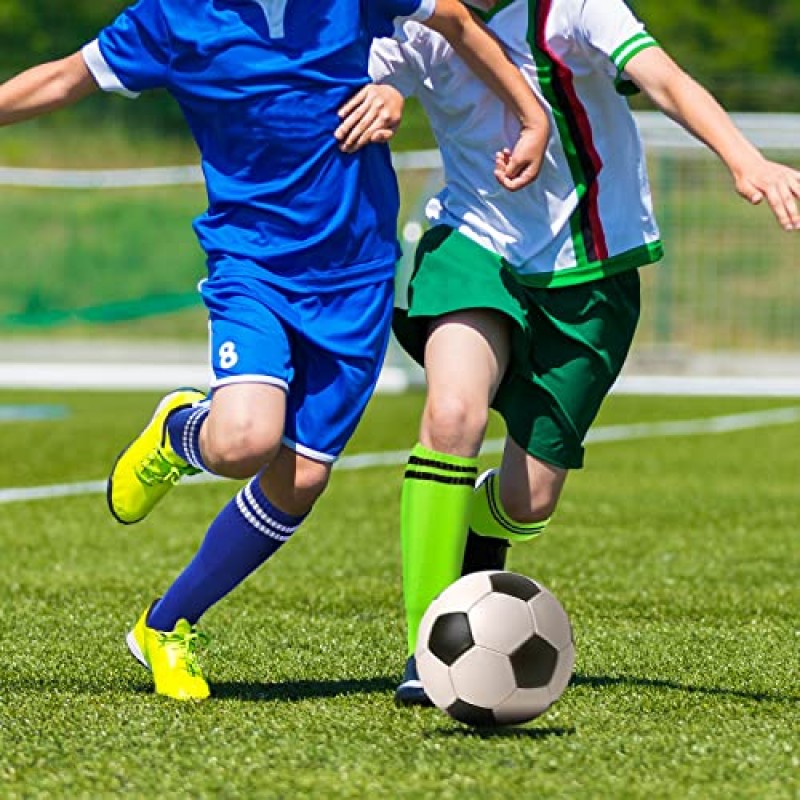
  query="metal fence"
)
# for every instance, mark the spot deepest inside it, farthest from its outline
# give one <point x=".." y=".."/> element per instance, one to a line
<point x="727" y="293"/>
<point x="725" y="299"/>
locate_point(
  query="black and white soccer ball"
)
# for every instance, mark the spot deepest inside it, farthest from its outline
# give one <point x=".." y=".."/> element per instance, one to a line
<point x="495" y="648"/>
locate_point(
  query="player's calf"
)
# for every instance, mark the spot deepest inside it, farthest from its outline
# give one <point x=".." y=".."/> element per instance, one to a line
<point x="492" y="530"/>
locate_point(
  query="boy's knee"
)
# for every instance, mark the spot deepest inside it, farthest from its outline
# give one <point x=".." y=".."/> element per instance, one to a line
<point x="238" y="449"/>
<point x="452" y="424"/>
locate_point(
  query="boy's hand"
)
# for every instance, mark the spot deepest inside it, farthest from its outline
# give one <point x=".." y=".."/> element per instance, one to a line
<point x="761" y="179"/>
<point x="515" y="169"/>
<point x="371" y="115"/>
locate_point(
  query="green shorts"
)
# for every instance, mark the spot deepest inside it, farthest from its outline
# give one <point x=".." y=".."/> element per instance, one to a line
<point x="568" y="345"/>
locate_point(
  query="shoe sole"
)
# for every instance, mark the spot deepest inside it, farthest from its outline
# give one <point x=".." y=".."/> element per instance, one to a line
<point x="135" y="650"/>
<point x="420" y="701"/>
<point x="109" y="482"/>
<point x="411" y="693"/>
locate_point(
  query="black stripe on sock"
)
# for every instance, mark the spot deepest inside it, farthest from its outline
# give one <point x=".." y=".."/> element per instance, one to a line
<point x="429" y="462"/>
<point x="499" y="516"/>
<point x="450" y="480"/>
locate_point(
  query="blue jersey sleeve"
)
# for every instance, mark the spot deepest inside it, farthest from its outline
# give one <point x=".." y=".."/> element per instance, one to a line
<point x="386" y="17"/>
<point x="136" y="46"/>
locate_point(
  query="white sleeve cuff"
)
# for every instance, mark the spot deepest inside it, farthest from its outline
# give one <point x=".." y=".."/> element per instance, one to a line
<point x="101" y="72"/>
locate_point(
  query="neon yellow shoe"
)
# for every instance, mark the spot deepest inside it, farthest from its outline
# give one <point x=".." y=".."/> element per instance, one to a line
<point x="148" y="467"/>
<point x="172" y="658"/>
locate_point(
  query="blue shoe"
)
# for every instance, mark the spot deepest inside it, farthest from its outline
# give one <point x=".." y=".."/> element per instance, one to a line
<point x="410" y="691"/>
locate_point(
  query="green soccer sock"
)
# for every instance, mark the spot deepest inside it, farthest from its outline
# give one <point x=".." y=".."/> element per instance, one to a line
<point x="436" y="498"/>
<point x="489" y="518"/>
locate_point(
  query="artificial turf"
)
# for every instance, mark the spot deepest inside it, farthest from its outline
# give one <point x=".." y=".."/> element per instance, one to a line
<point x="676" y="557"/>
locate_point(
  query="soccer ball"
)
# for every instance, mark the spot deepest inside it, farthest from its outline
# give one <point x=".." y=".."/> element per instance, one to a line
<point x="495" y="648"/>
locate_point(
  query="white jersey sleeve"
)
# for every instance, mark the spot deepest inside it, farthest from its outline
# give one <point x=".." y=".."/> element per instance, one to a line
<point x="399" y="65"/>
<point x="612" y="31"/>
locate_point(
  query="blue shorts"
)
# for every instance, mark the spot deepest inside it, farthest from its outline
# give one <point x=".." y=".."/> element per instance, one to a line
<point x="325" y="349"/>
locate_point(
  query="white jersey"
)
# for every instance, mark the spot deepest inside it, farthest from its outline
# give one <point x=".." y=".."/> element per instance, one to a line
<point x="589" y="213"/>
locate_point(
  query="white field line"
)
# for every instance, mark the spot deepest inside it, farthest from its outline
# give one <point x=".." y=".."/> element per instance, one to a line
<point x="393" y="458"/>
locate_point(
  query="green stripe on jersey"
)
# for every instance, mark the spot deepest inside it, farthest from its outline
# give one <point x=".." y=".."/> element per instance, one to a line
<point x="628" y="49"/>
<point x="594" y="270"/>
<point x="545" y="74"/>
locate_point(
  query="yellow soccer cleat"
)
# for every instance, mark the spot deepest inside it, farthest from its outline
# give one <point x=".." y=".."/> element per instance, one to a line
<point x="172" y="658"/>
<point x="148" y="467"/>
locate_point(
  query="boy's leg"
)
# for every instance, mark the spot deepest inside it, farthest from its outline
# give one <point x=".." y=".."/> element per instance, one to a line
<point x="243" y="315"/>
<point x="580" y="337"/>
<point x="440" y="476"/>
<point x="434" y="510"/>
<point x="512" y="504"/>
<point x="188" y="434"/>
<point x="246" y="533"/>
<point x="331" y="365"/>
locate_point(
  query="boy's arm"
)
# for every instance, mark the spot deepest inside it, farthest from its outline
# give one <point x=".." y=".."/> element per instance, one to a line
<point x="484" y="54"/>
<point x="681" y="98"/>
<point x="45" y="88"/>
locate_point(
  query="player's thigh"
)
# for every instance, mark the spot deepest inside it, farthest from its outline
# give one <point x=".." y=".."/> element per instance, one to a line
<point x="466" y="355"/>
<point x="452" y="275"/>
<point x="251" y="361"/>
<point x="579" y="339"/>
<point x="250" y="340"/>
<point x="338" y="353"/>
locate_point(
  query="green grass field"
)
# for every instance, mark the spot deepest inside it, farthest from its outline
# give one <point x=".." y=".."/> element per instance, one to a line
<point x="676" y="557"/>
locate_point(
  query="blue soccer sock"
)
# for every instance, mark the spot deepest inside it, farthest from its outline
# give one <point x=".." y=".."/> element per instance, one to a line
<point x="183" y="429"/>
<point x="241" y="538"/>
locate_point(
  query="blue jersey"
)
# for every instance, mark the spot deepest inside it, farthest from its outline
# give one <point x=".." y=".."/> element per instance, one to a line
<point x="260" y="82"/>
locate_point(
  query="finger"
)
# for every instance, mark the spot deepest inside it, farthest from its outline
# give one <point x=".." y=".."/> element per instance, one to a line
<point x="356" y="100"/>
<point x="789" y="198"/>
<point x="791" y="193"/>
<point x="521" y="180"/>
<point x="357" y="110"/>
<point x="343" y="131"/>
<point x="795" y="201"/>
<point x="778" y="203"/>
<point x="381" y="136"/>
<point x="360" y="134"/>
<point x="750" y="192"/>
<point x="353" y="125"/>
<point x="516" y="166"/>
<point x="350" y="128"/>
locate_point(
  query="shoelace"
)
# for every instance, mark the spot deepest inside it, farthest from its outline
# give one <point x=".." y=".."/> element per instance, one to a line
<point x="187" y="645"/>
<point x="157" y="468"/>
